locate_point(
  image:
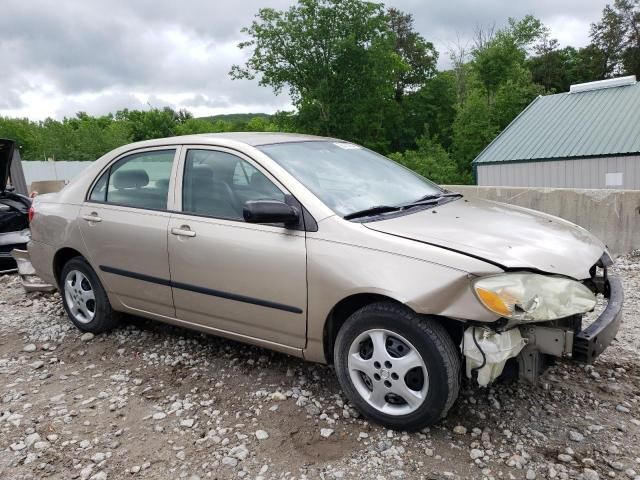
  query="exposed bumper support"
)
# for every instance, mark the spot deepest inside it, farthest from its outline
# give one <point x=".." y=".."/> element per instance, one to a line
<point x="550" y="341"/>
<point x="591" y="342"/>
<point x="30" y="280"/>
<point x="583" y="346"/>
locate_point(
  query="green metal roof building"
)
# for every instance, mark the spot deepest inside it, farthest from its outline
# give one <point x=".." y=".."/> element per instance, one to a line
<point x="586" y="138"/>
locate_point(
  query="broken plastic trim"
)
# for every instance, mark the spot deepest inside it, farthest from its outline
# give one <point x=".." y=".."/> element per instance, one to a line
<point x="488" y="354"/>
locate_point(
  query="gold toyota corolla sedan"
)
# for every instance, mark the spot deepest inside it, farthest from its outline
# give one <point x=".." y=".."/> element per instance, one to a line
<point x="322" y="249"/>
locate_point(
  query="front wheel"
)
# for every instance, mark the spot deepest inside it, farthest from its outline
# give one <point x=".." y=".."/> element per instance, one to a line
<point x="399" y="369"/>
<point x="85" y="299"/>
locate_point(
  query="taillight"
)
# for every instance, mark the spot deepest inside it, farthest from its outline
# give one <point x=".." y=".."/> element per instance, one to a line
<point x="32" y="213"/>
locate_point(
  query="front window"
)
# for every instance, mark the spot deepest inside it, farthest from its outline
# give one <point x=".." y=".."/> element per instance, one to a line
<point x="218" y="184"/>
<point x="349" y="178"/>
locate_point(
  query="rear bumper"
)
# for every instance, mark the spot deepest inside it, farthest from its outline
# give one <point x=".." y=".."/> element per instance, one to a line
<point x="30" y="280"/>
<point x="593" y="340"/>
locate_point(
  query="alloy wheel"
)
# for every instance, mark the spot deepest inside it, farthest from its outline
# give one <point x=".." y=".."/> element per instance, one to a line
<point x="80" y="297"/>
<point x="388" y="372"/>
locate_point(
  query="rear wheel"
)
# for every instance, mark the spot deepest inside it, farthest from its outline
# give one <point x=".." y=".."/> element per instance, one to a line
<point x="85" y="299"/>
<point x="398" y="368"/>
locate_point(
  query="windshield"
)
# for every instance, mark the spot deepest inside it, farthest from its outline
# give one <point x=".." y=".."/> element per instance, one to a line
<point x="349" y="178"/>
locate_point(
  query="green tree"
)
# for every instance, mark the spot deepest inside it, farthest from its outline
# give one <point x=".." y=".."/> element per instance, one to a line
<point x="431" y="161"/>
<point x="513" y="96"/>
<point x="547" y="67"/>
<point x="629" y="11"/>
<point x="473" y="129"/>
<point x="420" y="57"/>
<point x="432" y="108"/>
<point x="24" y="132"/>
<point x="152" y="123"/>
<point x="502" y="57"/>
<point x="335" y="58"/>
<point x="608" y="35"/>
<point x="260" y="124"/>
<point x="617" y="37"/>
<point x="498" y="87"/>
<point x="556" y="70"/>
<point x="193" y="126"/>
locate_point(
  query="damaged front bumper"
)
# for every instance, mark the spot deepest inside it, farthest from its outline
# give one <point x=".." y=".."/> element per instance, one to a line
<point x="593" y="340"/>
<point x="30" y="280"/>
<point x="543" y="341"/>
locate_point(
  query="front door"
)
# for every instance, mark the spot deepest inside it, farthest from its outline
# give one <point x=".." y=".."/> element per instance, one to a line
<point x="235" y="277"/>
<point x="124" y="226"/>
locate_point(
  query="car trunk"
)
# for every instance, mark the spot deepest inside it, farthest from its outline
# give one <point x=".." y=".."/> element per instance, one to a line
<point x="14" y="209"/>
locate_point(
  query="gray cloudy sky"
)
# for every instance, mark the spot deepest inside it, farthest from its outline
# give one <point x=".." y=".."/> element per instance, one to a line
<point x="100" y="56"/>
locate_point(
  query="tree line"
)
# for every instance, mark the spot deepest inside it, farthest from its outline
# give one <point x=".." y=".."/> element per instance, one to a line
<point x="359" y="71"/>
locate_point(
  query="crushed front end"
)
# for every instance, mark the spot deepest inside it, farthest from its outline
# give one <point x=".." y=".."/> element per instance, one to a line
<point x="536" y="342"/>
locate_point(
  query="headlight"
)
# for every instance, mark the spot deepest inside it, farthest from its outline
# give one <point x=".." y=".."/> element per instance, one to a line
<point x="530" y="297"/>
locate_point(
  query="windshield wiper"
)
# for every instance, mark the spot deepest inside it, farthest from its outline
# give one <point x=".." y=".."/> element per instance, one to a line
<point x="431" y="199"/>
<point x="367" y="212"/>
<point x="436" y="196"/>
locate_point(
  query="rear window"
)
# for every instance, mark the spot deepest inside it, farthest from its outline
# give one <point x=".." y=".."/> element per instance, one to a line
<point x="140" y="180"/>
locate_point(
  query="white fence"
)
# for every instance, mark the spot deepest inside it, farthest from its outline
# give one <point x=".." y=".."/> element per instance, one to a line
<point x="36" y="171"/>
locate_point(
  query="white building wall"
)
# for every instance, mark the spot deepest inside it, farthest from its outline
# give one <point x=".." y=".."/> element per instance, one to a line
<point x="36" y="171"/>
<point x="621" y="172"/>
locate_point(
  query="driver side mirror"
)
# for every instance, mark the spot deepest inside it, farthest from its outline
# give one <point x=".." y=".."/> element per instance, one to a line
<point x="270" y="211"/>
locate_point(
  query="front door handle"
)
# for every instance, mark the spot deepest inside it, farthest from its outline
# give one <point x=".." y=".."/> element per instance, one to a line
<point x="183" y="231"/>
<point x="92" y="218"/>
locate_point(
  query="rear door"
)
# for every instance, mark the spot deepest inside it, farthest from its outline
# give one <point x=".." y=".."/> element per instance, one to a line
<point x="124" y="225"/>
<point x="236" y="277"/>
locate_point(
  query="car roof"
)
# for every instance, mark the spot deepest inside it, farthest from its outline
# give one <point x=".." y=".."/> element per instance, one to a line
<point x="250" y="138"/>
<point x="267" y="138"/>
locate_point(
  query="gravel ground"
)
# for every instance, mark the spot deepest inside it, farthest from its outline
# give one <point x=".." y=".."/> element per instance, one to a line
<point x="154" y="401"/>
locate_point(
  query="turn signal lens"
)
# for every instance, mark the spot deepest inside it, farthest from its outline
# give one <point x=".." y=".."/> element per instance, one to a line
<point x="530" y="297"/>
<point x="493" y="302"/>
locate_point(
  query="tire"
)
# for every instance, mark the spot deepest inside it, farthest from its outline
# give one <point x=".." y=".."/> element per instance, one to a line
<point x="84" y="298"/>
<point x="431" y="386"/>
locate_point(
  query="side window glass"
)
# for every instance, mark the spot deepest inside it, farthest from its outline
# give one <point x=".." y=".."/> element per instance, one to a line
<point x="218" y="184"/>
<point x="241" y="174"/>
<point x="99" y="192"/>
<point x="140" y="180"/>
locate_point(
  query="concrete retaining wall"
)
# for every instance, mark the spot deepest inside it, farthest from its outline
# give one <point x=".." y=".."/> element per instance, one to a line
<point x="611" y="215"/>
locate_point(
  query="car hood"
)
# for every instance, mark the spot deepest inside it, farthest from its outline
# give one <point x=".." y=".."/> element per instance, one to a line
<point x="509" y="236"/>
<point x="6" y="155"/>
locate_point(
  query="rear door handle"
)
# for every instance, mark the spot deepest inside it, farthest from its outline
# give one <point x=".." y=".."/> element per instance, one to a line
<point x="92" y="218"/>
<point x="184" y="231"/>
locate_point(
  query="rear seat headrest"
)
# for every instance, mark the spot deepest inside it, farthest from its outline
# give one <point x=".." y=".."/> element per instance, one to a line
<point x="130" y="179"/>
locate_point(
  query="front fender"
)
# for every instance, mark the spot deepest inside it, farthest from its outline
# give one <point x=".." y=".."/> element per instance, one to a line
<point x="336" y="271"/>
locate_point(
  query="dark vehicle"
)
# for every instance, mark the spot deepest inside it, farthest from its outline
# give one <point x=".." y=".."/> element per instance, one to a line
<point x="14" y="207"/>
